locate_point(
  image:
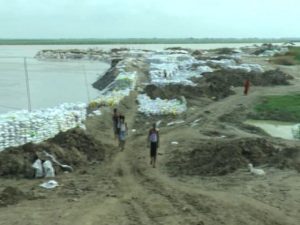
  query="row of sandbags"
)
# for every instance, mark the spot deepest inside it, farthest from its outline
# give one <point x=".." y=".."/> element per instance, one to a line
<point x="20" y="127"/>
<point x="160" y="106"/>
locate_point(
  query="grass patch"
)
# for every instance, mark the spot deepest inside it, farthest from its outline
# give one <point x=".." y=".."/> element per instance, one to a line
<point x="283" y="108"/>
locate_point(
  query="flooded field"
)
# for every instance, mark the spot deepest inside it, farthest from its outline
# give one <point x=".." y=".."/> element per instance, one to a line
<point x="275" y="128"/>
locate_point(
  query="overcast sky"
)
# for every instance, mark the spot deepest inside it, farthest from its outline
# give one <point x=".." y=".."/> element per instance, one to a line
<point x="149" y="18"/>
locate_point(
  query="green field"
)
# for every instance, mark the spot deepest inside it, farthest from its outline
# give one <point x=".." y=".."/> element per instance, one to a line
<point x="283" y="108"/>
<point x="295" y="53"/>
<point x="92" y="41"/>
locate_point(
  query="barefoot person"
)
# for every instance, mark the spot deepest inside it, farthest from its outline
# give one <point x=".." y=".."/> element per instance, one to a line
<point x="115" y="119"/>
<point x="153" y="143"/>
<point x="122" y="132"/>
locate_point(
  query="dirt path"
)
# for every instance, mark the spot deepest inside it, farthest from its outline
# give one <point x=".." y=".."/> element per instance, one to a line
<point x="125" y="190"/>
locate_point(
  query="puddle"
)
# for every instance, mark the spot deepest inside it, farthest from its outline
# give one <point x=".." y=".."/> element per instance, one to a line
<point x="275" y="128"/>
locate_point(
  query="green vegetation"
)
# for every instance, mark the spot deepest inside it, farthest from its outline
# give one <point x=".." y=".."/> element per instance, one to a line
<point x="92" y="41"/>
<point x="295" y="53"/>
<point x="283" y="108"/>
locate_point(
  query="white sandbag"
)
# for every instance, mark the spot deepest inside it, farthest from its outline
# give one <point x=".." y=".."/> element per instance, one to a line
<point x="38" y="168"/>
<point x="160" y="106"/>
<point x="48" y="169"/>
<point x="166" y="68"/>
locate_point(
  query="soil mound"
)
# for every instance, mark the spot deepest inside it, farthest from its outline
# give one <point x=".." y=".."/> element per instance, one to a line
<point x="215" y="89"/>
<point x="224" y="156"/>
<point x="225" y="51"/>
<point x="287" y="158"/>
<point x="11" y="196"/>
<point x="236" y="78"/>
<point x="74" y="148"/>
<point x="178" y="49"/>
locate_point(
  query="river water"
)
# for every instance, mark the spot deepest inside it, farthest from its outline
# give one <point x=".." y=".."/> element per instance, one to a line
<point x="275" y="128"/>
<point x="52" y="83"/>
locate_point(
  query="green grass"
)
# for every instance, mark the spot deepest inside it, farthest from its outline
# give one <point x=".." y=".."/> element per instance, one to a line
<point x="284" y="108"/>
<point x="92" y="41"/>
<point x="295" y="53"/>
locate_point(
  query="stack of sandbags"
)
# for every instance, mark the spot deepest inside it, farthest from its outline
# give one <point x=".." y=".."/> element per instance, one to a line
<point x="20" y="127"/>
<point x="159" y="106"/>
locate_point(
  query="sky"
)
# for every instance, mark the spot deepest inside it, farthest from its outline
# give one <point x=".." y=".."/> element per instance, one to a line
<point x="149" y="18"/>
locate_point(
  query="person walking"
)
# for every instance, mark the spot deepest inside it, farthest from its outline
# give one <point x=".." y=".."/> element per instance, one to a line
<point x="123" y="129"/>
<point x="246" y="86"/>
<point x="153" y="143"/>
<point x="115" y="120"/>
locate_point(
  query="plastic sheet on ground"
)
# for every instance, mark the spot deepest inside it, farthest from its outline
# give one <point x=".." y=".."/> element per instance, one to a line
<point x="21" y="127"/>
<point x="159" y="106"/>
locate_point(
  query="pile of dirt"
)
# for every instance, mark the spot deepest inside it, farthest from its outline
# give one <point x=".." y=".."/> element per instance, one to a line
<point x="203" y="57"/>
<point x="178" y="49"/>
<point x="210" y="158"/>
<point x="11" y="196"/>
<point x="264" y="47"/>
<point x="236" y="77"/>
<point x="287" y="158"/>
<point x="225" y="51"/>
<point x="283" y="60"/>
<point x="74" y="148"/>
<point x="204" y="88"/>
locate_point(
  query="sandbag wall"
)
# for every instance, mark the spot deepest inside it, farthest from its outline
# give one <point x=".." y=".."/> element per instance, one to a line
<point x="21" y="127"/>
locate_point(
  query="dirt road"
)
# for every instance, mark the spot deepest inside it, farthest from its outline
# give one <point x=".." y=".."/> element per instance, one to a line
<point x="126" y="190"/>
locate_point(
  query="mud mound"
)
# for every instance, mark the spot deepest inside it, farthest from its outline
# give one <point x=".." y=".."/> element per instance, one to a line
<point x="178" y="49"/>
<point x="11" y="196"/>
<point x="73" y="147"/>
<point x="225" y="51"/>
<point x="215" y="89"/>
<point x="283" y="60"/>
<point x="237" y="78"/>
<point x="221" y="157"/>
<point x="287" y="158"/>
<point x="77" y="139"/>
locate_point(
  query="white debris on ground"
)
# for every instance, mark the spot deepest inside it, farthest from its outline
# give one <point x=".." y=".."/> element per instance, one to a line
<point x="49" y="184"/>
<point x="255" y="171"/>
<point x="175" y="122"/>
<point x="159" y="106"/>
<point x="166" y="68"/>
<point x="21" y="127"/>
<point x="95" y="113"/>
